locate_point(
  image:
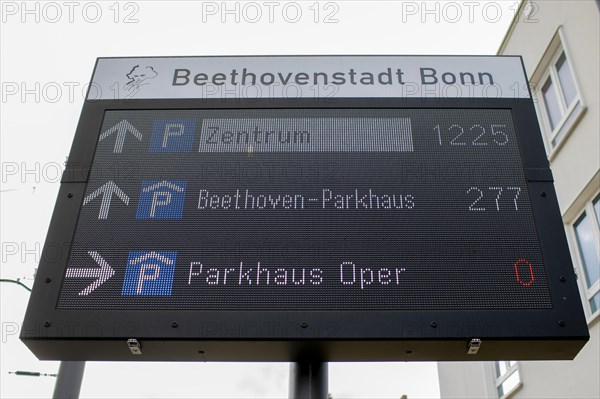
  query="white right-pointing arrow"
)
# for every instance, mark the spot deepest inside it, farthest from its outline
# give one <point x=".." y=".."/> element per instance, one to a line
<point x="101" y="274"/>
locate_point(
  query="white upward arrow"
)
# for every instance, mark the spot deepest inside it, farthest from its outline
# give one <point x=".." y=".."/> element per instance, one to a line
<point x="107" y="191"/>
<point x="121" y="128"/>
<point x="100" y="274"/>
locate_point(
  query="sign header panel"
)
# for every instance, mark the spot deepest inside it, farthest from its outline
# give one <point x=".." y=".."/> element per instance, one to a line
<point x="292" y="77"/>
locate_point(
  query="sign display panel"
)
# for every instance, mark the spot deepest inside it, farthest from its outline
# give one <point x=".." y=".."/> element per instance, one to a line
<point x="362" y="209"/>
<point x="340" y="208"/>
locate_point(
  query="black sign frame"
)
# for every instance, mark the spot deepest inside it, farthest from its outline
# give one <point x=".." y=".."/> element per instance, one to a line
<point x="557" y="333"/>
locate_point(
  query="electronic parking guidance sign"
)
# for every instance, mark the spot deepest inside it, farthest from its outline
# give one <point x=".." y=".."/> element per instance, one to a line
<point x="273" y="208"/>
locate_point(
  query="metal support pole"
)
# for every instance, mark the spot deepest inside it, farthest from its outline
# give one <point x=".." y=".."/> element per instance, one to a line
<point x="309" y="380"/>
<point x="68" y="381"/>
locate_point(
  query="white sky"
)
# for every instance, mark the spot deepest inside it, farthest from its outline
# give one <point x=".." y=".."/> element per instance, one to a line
<point x="50" y="51"/>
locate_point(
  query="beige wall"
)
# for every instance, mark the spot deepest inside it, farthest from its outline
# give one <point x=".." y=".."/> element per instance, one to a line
<point x="578" y="160"/>
<point x="462" y="380"/>
<point x="573" y="165"/>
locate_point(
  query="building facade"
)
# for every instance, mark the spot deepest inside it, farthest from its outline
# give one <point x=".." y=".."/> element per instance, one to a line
<point x="560" y="45"/>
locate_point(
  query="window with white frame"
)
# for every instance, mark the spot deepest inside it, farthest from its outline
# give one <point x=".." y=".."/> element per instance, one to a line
<point x="587" y="234"/>
<point x="560" y="100"/>
<point x="508" y="378"/>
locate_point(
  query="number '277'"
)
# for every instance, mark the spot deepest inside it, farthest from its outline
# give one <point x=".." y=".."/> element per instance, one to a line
<point x="500" y="193"/>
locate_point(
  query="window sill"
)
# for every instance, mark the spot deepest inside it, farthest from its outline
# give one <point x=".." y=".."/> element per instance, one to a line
<point x="510" y="393"/>
<point x="569" y="123"/>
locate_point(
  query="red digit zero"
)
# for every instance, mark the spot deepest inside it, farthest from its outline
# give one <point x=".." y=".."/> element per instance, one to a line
<point x="524" y="262"/>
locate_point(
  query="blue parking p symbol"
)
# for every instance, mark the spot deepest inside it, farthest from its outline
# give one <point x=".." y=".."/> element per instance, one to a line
<point x="149" y="273"/>
<point x="172" y="135"/>
<point x="161" y="199"/>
